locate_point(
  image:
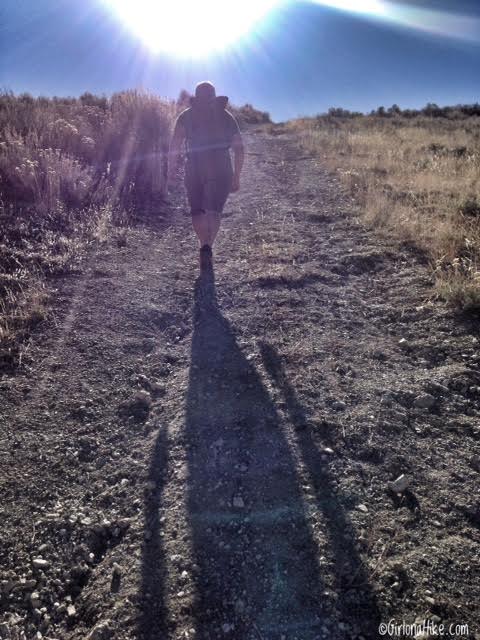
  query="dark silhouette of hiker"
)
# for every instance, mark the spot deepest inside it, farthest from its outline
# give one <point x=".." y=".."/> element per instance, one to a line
<point x="208" y="131"/>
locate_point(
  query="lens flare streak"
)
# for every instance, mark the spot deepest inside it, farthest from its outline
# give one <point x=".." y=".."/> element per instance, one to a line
<point x="441" y="23"/>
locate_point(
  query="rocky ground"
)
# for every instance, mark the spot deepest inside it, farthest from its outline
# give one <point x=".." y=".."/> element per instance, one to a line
<point x="188" y="460"/>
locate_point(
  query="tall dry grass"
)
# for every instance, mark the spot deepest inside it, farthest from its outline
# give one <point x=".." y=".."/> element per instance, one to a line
<point x="66" y="166"/>
<point x="74" y="152"/>
<point x="418" y="179"/>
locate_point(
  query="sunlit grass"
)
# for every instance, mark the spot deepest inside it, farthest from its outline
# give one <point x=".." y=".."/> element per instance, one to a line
<point x="417" y="179"/>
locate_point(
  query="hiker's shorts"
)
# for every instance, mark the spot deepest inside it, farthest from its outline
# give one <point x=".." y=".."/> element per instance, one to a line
<point x="206" y="193"/>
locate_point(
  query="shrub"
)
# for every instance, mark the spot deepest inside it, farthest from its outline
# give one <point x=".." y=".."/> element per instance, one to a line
<point x="135" y="143"/>
<point x="63" y="151"/>
<point x="45" y="179"/>
<point x="249" y="115"/>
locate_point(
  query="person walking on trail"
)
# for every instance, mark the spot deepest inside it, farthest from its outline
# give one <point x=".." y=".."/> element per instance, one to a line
<point x="208" y="131"/>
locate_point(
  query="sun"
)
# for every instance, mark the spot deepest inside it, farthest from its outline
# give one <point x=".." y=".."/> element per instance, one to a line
<point x="190" y="27"/>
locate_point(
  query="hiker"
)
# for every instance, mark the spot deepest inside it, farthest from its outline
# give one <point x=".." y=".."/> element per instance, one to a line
<point x="208" y="130"/>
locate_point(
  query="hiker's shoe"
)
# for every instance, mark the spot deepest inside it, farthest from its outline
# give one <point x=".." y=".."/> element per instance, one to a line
<point x="206" y="258"/>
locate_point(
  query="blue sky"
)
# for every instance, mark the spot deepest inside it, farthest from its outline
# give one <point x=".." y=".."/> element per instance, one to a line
<point x="301" y="59"/>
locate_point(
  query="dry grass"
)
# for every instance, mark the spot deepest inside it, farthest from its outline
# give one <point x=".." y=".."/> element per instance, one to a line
<point x="80" y="152"/>
<point x="65" y="166"/>
<point x="418" y="179"/>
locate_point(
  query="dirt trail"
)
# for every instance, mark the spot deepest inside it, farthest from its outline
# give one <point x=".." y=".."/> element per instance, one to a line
<point x="182" y="461"/>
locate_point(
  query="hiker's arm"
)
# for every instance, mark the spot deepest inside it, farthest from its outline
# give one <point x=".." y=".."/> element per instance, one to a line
<point x="175" y="151"/>
<point x="238" y="157"/>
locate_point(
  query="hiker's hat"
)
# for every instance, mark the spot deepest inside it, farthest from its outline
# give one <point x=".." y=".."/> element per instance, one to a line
<point x="205" y="91"/>
<point x="205" y="94"/>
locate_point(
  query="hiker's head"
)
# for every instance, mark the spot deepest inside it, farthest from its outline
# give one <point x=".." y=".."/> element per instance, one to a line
<point x="205" y="92"/>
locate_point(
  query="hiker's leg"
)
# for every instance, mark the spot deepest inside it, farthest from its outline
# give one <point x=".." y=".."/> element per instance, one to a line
<point x="213" y="225"/>
<point x="215" y="197"/>
<point x="201" y="226"/>
<point x="207" y="201"/>
<point x="206" y="225"/>
<point x="195" y="187"/>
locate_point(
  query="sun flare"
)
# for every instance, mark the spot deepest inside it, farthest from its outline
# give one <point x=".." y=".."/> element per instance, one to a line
<point x="190" y="27"/>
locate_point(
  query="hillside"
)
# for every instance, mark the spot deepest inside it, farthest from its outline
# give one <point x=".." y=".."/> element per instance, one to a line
<point x="182" y="460"/>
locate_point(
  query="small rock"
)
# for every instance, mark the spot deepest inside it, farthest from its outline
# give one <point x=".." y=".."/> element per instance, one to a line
<point x="40" y="563"/>
<point x="400" y="484"/>
<point x="116" y="578"/>
<point x="430" y="600"/>
<point x="238" y="502"/>
<point x="157" y="388"/>
<point x="71" y="611"/>
<point x="35" y="600"/>
<point x="24" y="585"/>
<point x="102" y="631"/>
<point x="362" y="507"/>
<point x="475" y="463"/>
<point x="424" y="401"/>
<point x="403" y="343"/>
<point x="138" y="407"/>
<point x="239" y="606"/>
<point x="439" y="388"/>
<point x="387" y="399"/>
<point x="339" y="405"/>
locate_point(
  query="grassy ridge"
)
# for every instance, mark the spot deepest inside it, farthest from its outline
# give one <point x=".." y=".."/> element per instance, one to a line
<point x="417" y="177"/>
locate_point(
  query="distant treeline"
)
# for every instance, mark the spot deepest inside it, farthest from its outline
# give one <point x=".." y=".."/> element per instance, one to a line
<point x="431" y="110"/>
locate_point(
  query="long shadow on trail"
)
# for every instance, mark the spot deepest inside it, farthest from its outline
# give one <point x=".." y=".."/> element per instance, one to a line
<point x="256" y="557"/>
<point x="355" y="600"/>
<point x="256" y="572"/>
<point x="153" y="614"/>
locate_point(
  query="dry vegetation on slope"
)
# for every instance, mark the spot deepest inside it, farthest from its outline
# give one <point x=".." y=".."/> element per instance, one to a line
<point x="66" y="165"/>
<point x="415" y="177"/>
